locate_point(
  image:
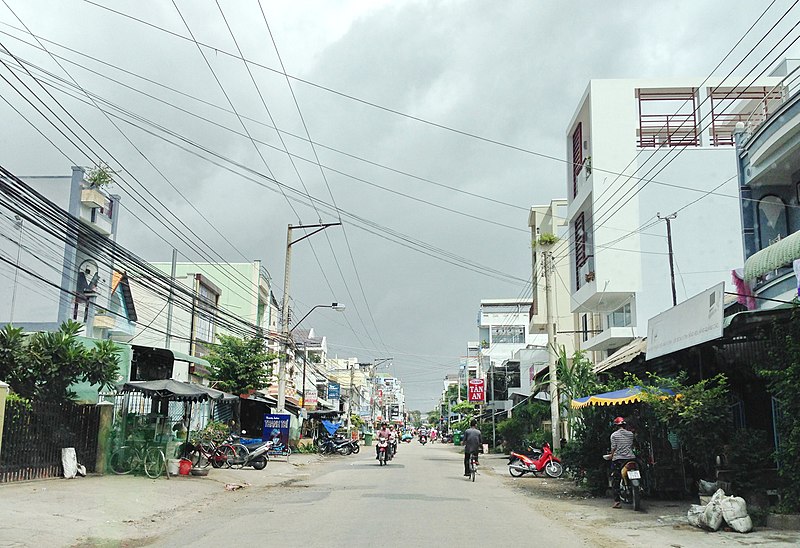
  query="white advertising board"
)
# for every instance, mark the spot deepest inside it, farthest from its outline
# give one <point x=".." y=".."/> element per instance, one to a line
<point x="694" y="321"/>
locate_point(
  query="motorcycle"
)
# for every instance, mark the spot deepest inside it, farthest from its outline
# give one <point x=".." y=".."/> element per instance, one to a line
<point x="383" y="451"/>
<point x="630" y="483"/>
<point x="407" y="438"/>
<point x="258" y="457"/>
<point x="423" y="439"/>
<point x="329" y="446"/>
<point x="520" y="464"/>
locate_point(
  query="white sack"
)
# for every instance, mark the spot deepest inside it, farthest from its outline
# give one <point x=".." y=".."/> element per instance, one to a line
<point x="696" y="515"/>
<point x="69" y="461"/>
<point x="733" y="508"/>
<point x="742" y="525"/>
<point x="713" y="515"/>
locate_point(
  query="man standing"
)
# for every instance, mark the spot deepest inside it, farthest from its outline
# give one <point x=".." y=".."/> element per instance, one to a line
<point x="472" y="443"/>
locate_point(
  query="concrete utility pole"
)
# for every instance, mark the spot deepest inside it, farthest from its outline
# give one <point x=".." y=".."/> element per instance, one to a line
<point x="285" y="306"/>
<point x="18" y="226"/>
<point x="668" y="218"/>
<point x="555" y="411"/>
<point x="168" y="339"/>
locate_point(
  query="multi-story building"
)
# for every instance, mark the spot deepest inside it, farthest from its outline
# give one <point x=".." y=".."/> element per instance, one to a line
<point x="225" y="295"/>
<point x="503" y="329"/>
<point x="544" y="220"/>
<point x="68" y="275"/>
<point x="641" y="150"/>
<point x="769" y="177"/>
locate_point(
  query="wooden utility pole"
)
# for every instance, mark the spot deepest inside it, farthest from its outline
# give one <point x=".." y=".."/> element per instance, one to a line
<point x="668" y="218"/>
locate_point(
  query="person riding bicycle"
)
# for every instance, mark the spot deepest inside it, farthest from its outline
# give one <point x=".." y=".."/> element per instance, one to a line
<point x="621" y="453"/>
<point x="473" y="442"/>
<point x="382" y="433"/>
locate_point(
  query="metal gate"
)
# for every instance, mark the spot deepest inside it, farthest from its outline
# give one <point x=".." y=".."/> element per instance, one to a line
<point x="34" y="434"/>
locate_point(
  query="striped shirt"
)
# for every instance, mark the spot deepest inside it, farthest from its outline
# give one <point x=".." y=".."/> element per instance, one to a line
<point x="622" y="444"/>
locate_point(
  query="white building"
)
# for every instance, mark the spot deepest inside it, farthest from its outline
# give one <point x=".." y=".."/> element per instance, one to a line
<point x="544" y="220"/>
<point x="51" y="280"/>
<point x="503" y="329"/>
<point x="640" y="148"/>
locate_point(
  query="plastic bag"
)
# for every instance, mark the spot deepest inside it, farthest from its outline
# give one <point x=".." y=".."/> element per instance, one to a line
<point x="69" y="461"/>
<point x="713" y="515"/>
<point x="741" y="525"/>
<point x="696" y="515"/>
<point x="733" y="508"/>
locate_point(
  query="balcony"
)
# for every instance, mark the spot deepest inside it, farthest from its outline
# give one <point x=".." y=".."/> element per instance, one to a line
<point x="613" y="337"/>
<point x="91" y="197"/>
<point x="97" y="219"/>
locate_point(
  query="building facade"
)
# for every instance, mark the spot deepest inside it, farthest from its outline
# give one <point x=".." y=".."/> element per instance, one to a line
<point x="642" y="150"/>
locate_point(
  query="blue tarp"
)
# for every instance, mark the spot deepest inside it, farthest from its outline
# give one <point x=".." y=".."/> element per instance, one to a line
<point x="331" y="426"/>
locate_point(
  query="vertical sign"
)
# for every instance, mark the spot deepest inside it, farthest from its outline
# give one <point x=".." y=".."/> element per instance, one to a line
<point x="276" y="430"/>
<point x="476" y="391"/>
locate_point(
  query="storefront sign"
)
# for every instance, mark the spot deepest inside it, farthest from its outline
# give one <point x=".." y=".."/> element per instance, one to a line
<point x="334" y="390"/>
<point x="310" y="398"/>
<point x="276" y="430"/>
<point x="694" y="321"/>
<point x="476" y="390"/>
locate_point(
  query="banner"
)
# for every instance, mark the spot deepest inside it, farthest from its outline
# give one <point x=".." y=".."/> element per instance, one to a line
<point x="310" y="399"/>
<point x="694" y="321"/>
<point x="334" y="390"/>
<point x="476" y="391"/>
<point x="276" y="430"/>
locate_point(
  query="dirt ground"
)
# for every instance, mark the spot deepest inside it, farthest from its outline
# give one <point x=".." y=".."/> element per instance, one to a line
<point x="660" y="523"/>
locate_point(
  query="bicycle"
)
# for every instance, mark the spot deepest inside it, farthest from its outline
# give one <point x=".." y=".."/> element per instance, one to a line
<point x="228" y="454"/>
<point x="473" y="465"/>
<point x="129" y="458"/>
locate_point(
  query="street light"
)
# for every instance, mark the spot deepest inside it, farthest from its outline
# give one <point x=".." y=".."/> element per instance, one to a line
<point x="282" y="368"/>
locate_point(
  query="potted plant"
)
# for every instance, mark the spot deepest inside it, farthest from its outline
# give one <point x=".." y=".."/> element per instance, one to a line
<point x="589" y="276"/>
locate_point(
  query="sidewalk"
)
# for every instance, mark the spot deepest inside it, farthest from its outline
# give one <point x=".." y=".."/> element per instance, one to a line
<point x="105" y="510"/>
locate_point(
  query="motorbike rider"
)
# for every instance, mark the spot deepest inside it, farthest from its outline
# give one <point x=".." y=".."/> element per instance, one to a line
<point x="392" y="441"/>
<point x="473" y="441"/>
<point x="621" y="452"/>
<point x="382" y="433"/>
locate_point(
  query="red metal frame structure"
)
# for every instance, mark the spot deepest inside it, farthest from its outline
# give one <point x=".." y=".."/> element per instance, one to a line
<point x="580" y="248"/>
<point x="755" y="110"/>
<point x="577" y="157"/>
<point x="668" y="129"/>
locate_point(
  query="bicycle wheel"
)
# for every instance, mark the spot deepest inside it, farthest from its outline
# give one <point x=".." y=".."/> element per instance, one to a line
<point x="155" y="463"/>
<point x="122" y="460"/>
<point x="200" y="456"/>
<point x="234" y="455"/>
<point x="472" y="469"/>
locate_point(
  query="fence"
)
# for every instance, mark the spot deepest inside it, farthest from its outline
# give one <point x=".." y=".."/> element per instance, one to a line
<point x="34" y="434"/>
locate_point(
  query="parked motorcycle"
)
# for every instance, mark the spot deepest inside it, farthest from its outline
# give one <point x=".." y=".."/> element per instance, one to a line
<point x="258" y="457"/>
<point x="520" y="464"/>
<point x="383" y="451"/>
<point x="329" y="446"/>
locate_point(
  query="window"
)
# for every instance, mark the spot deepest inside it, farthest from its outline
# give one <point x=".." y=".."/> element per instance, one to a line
<point x="585" y="327"/>
<point x="577" y="157"/>
<point x="512" y="335"/>
<point x="771" y="220"/>
<point x="580" y="248"/>
<point x="207" y="303"/>
<point x="621" y="317"/>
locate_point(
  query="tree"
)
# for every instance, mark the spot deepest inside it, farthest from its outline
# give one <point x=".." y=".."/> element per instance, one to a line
<point x="240" y="365"/>
<point x="44" y="365"/>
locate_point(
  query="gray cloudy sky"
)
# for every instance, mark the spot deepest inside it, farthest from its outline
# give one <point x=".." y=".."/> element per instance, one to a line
<point x="507" y="71"/>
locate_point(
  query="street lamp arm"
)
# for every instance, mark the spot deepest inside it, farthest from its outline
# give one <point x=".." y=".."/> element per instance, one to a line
<point x="335" y="306"/>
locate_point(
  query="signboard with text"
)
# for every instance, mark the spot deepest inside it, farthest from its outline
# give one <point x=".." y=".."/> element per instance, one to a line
<point x="334" y="390"/>
<point x="694" y="321"/>
<point x="476" y="391"/>
<point x="276" y="430"/>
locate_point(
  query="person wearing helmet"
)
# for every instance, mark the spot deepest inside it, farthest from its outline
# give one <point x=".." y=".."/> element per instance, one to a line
<point x="382" y="433"/>
<point x="621" y="452"/>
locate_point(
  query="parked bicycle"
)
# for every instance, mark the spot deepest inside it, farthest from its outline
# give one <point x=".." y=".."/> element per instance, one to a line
<point x="229" y="454"/>
<point x="130" y="458"/>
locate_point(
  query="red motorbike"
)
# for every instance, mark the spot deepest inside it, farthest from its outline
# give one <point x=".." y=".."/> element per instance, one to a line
<point x="520" y="464"/>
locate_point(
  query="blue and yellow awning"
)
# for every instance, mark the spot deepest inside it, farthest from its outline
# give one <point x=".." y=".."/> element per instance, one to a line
<point x="618" y="397"/>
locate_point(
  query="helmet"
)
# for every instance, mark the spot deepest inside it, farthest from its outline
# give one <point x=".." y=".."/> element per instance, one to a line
<point x="619" y="421"/>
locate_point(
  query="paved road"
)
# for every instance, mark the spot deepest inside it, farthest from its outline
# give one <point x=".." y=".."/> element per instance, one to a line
<point x="420" y="498"/>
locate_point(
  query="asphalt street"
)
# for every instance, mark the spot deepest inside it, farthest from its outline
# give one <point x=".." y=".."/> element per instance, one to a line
<point x="420" y="498"/>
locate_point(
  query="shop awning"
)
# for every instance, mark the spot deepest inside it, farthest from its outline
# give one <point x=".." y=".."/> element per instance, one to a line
<point x="618" y="397"/>
<point x="169" y="389"/>
<point x="779" y="254"/>
<point x="626" y="354"/>
<point x="201" y="366"/>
